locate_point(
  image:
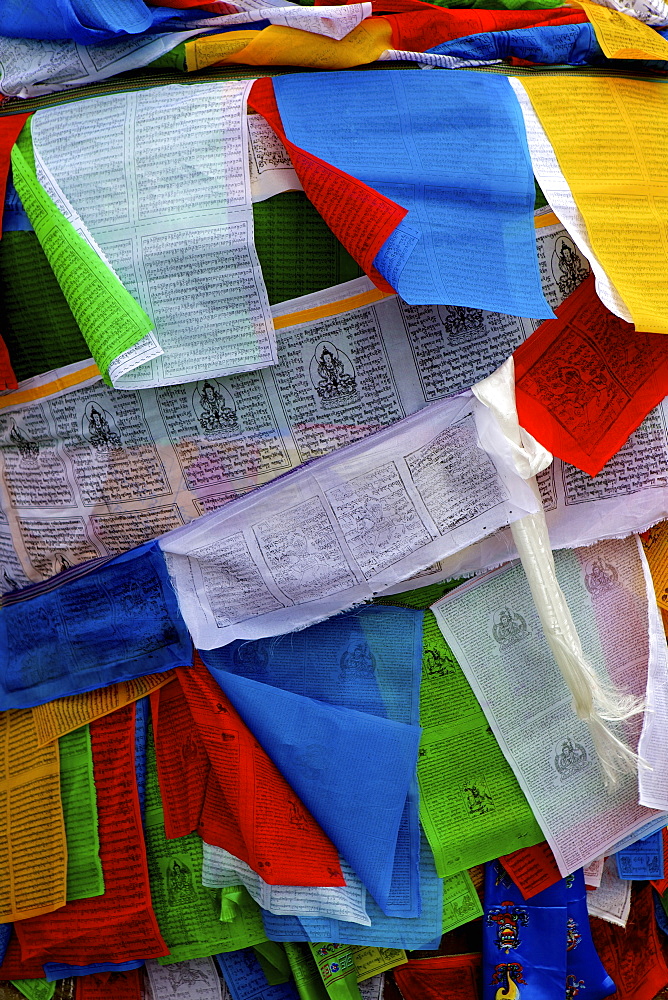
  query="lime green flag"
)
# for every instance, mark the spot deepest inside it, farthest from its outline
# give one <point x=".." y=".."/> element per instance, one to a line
<point x="107" y="315"/>
<point x="471" y="806"/>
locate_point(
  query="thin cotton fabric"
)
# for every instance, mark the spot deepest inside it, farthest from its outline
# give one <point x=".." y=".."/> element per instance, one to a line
<point x="351" y="770"/>
<point x="85" y="21"/>
<point x="449" y="147"/>
<point x="369" y="661"/>
<point x="412" y="934"/>
<point x="108" y="623"/>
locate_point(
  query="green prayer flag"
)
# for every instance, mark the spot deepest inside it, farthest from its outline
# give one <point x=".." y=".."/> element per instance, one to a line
<point x="337" y="969"/>
<point x="305" y="972"/>
<point x="38" y="326"/>
<point x="271" y="956"/>
<point x="35" y="989"/>
<point x="188" y="913"/>
<point x="299" y="254"/>
<point x="461" y="902"/>
<point x="77" y="790"/>
<point x="471" y="806"/>
<point x="107" y="315"/>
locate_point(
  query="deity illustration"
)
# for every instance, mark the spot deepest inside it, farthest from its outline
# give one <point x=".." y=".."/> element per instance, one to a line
<point x="571" y="760"/>
<point x="573" y="986"/>
<point x="179" y="882"/>
<point x="251" y="658"/>
<point x="332" y="374"/>
<point x="358" y="659"/>
<point x="60" y="562"/>
<point x="214" y="406"/>
<point x="583" y="395"/>
<point x="182" y="976"/>
<point x="508" y="917"/>
<point x="437" y="664"/>
<point x="573" y="937"/>
<point x="100" y="428"/>
<point x="191" y="748"/>
<point x="507" y="976"/>
<point x="309" y="760"/>
<point x="461" y="324"/>
<point x="567" y="267"/>
<point x="374" y="525"/>
<point x="600" y="577"/>
<point x="27" y="448"/>
<point x="304" y="564"/>
<point x="509" y="627"/>
<point x="297" y="816"/>
<point x="478" y="800"/>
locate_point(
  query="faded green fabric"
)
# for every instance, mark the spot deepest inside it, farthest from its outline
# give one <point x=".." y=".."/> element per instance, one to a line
<point x="299" y="254"/>
<point x="38" y="326"/>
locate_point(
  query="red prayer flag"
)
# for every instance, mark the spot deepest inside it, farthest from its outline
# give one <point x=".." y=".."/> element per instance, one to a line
<point x="532" y="869"/>
<point x="633" y="955"/>
<point x="422" y="29"/>
<point x="10" y="126"/>
<point x="361" y="219"/>
<point x="120" y="925"/>
<point x="236" y="798"/>
<point x="440" y="978"/>
<point x="110" y="986"/>
<point x="586" y="380"/>
<point x="13" y="966"/>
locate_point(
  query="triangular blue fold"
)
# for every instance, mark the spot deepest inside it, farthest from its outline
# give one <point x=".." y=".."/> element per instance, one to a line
<point x="571" y="44"/>
<point x="451" y="148"/>
<point x="352" y="770"/>
<point x="369" y="660"/>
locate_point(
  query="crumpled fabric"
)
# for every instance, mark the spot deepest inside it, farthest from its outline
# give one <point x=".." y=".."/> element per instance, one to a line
<point x="570" y="44"/>
<point x="85" y="21"/>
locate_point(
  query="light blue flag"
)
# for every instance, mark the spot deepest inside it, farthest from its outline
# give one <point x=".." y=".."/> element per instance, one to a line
<point x="412" y="934"/>
<point x="452" y="149"/>
<point x="89" y="627"/>
<point x="351" y="770"/>
<point x="369" y="660"/>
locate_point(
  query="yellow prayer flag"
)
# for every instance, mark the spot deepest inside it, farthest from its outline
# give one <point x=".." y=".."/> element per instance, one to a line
<point x="609" y="137"/>
<point x="655" y="543"/>
<point x="33" y="849"/>
<point x="63" y="715"/>
<point x="276" y="45"/>
<point x="622" y="36"/>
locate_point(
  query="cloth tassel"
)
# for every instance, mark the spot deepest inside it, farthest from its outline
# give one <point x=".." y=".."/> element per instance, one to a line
<point x="594" y="701"/>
